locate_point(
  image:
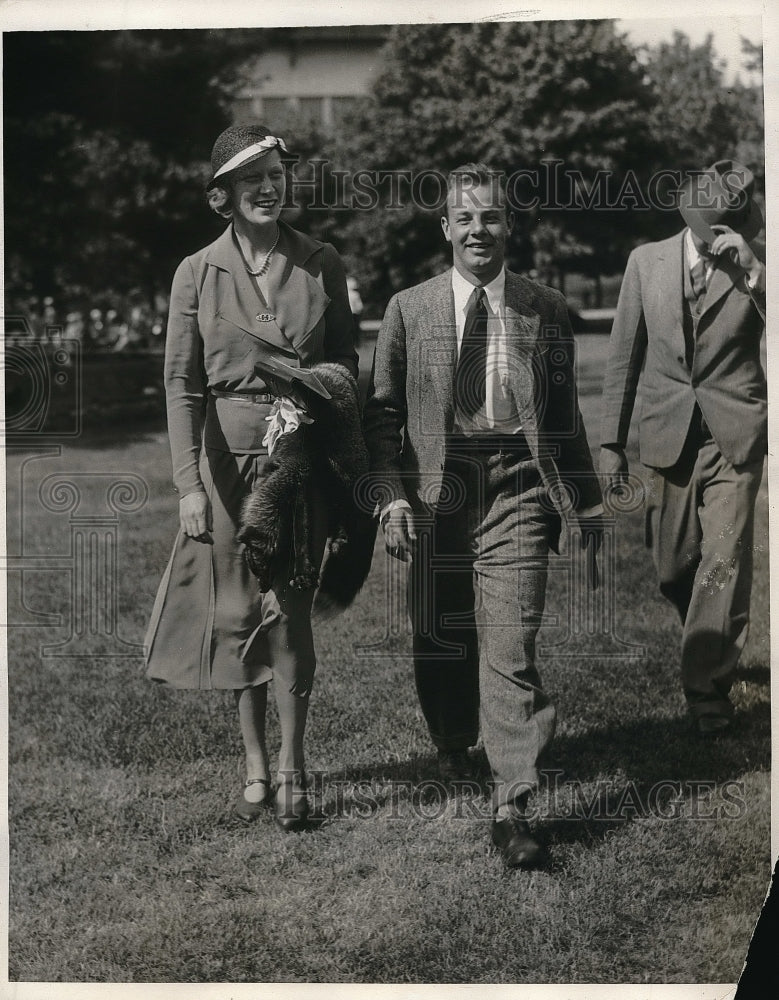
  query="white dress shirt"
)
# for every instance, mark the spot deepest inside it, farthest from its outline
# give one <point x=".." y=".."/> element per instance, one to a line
<point x="692" y="256"/>
<point x="499" y="412"/>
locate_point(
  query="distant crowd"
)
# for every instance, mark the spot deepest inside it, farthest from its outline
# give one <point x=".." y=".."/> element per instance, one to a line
<point x="116" y="323"/>
<point x="129" y="323"/>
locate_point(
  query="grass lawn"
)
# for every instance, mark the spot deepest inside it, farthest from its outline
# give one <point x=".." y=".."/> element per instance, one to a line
<point x="126" y="865"/>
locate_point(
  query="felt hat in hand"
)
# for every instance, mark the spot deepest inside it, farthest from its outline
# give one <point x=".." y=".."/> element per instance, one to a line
<point x="722" y="195"/>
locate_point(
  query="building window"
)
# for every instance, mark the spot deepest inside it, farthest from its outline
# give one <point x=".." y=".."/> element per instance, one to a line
<point x="341" y="106"/>
<point x="311" y="109"/>
<point x="275" y="110"/>
<point x="243" y="109"/>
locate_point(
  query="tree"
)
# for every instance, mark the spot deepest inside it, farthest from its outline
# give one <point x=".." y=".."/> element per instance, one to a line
<point x="595" y="116"/>
<point x="567" y="99"/>
<point x="696" y="115"/>
<point x="752" y="56"/>
<point x="748" y="99"/>
<point x="107" y="137"/>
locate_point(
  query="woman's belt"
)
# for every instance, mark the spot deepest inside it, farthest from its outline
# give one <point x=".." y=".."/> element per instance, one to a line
<point x="244" y="397"/>
<point x="238" y="429"/>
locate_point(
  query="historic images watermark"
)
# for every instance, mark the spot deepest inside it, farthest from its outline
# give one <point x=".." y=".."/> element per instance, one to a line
<point x="43" y="384"/>
<point x="561" y="801"/>
<point x="319" y="186"/>
<point x="44" y="409"/>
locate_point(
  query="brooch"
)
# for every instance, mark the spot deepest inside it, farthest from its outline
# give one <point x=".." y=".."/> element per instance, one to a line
<point x="265" y="317"/>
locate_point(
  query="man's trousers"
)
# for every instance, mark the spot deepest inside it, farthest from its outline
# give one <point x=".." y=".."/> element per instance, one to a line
<point x="700" y="524"/>
<point x="476" y="596"/>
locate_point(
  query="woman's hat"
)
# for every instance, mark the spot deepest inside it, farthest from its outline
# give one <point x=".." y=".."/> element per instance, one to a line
<point x="239" y="145"/>
<point x="721" y="196"/>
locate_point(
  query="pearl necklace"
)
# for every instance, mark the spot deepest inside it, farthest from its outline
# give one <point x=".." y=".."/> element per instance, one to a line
<point x="264" y="266"/>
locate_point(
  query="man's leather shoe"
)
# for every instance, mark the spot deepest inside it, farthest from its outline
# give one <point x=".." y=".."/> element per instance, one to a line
<point x="455" y="765"/>
<point x="519" y="850"/>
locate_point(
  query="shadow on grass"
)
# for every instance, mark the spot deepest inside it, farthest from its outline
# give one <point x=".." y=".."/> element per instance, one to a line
<point x="653" y="750"/>
<point x="596" y="782"/>
<point x="659" y="761"/>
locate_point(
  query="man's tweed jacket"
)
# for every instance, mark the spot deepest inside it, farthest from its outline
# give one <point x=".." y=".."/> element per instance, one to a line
<point x="410" y="410"/>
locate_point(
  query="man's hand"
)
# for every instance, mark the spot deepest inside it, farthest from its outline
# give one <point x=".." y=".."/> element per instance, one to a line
<point x="399" y="533"/>
<point x="195" y="517"/>
<point x="592" y="539"/>
<point x="740" y="251"/>
<point x="614" y="467"/>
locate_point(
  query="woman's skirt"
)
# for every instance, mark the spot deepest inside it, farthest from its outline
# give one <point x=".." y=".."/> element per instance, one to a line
<point x="211" y="626"/>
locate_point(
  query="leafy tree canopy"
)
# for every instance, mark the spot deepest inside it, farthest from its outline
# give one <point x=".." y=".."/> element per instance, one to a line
<point x="107" y="137"/>
<point x="524" y="97"/>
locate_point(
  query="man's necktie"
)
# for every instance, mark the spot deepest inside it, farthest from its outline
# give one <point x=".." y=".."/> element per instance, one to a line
<point x="470" y="384"/>
<point x="698" y="277"/>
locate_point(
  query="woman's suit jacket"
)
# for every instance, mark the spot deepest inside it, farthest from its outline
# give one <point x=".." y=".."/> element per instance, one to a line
<point x="218" y="329"/>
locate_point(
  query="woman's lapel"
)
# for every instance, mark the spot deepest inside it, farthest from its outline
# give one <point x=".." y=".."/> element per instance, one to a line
<point x="238" y="300"/>
<point x="296" y="299"/>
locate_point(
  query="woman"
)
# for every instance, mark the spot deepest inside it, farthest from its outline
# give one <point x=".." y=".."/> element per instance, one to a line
<point x="261" y="292"/>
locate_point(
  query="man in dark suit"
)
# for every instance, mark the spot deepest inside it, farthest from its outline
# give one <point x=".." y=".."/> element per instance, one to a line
<point x="691" y="311"/>
<point x="477" y="445"/>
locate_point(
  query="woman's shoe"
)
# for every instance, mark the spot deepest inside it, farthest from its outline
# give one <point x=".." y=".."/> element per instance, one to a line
<point x="249" y="811"/>
<point x="292" y="809"/>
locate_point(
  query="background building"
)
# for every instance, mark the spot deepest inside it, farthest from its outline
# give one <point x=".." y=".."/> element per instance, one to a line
<point x="318" y="73"/>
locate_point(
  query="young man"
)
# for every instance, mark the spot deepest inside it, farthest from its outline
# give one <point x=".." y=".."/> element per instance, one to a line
<point x="691" y="311"/>
<point x="477" y="445"/>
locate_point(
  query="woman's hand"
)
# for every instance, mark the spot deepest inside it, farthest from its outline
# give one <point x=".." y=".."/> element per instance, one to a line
<point x="195" y="517"/>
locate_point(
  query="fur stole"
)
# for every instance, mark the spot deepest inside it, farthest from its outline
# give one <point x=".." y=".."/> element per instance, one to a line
<point x="275" y="520"/>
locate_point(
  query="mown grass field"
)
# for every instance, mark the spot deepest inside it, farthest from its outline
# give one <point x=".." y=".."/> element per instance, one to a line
<point x="127" y="866"/>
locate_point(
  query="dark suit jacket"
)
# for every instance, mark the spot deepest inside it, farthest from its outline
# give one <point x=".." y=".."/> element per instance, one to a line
<point x="410" y="412"/>
<point x="218" y="329"/>
<point x="725" y="377"/>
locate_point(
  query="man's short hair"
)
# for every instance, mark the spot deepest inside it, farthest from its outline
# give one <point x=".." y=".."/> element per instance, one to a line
<point x="471" y="175"/>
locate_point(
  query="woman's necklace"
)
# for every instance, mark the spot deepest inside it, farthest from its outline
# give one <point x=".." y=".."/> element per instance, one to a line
<point x="264" y="266"/>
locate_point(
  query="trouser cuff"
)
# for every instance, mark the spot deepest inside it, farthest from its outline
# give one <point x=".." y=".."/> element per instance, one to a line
<point x="714" y="706"/>
<point x="510" y="797"/>
<point x="460" y="742"/>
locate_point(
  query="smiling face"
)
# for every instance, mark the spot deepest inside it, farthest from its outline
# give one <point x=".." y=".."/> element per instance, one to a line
<point x="477" y="225"/>
<point x="258" y="190"/>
